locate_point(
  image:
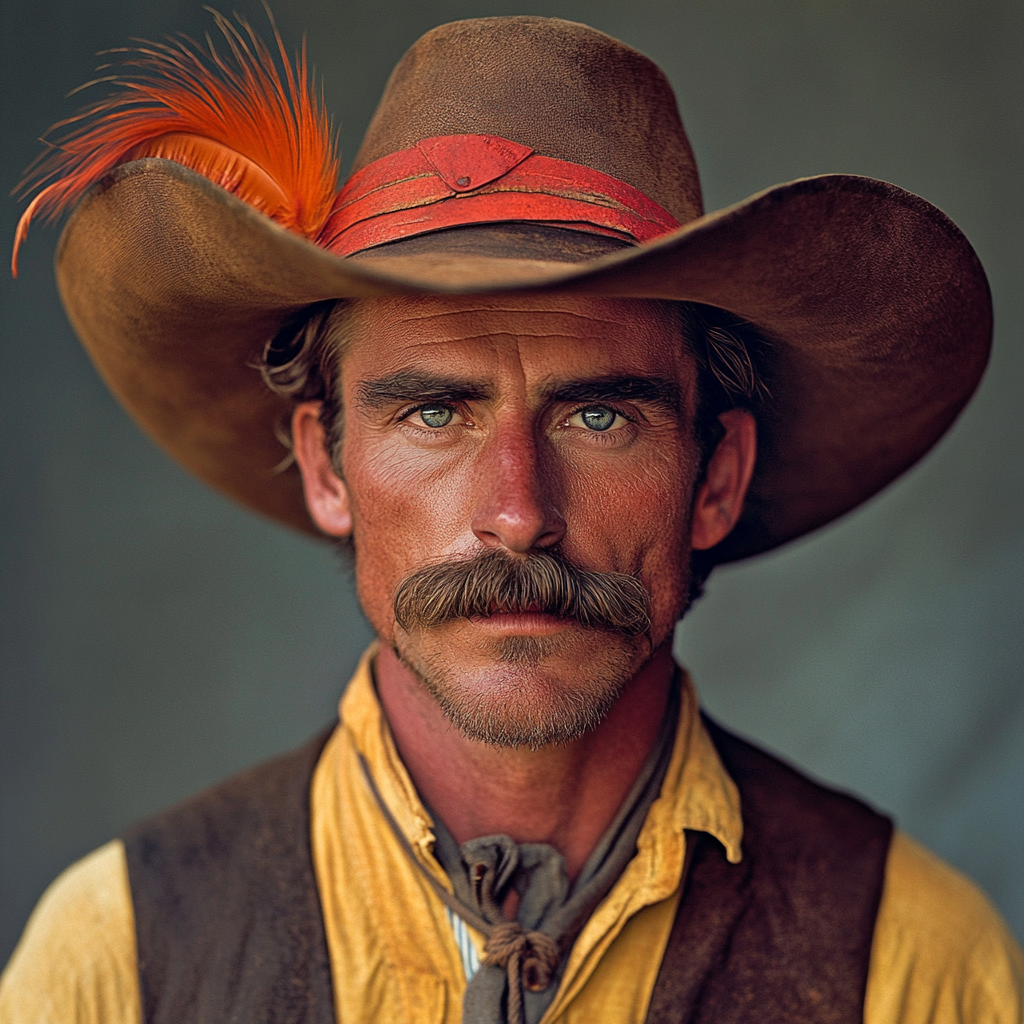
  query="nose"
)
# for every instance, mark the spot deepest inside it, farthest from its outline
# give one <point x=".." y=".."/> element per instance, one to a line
<point x="514" y="506"/>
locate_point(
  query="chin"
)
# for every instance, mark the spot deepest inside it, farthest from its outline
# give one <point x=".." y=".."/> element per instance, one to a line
<point x="523" y="690"/>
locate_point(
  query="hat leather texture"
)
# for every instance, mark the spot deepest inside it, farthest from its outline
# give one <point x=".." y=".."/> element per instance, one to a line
<point x="873" y="305"/>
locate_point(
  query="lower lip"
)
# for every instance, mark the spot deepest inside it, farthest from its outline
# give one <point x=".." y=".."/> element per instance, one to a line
<point x="521" y="623"/>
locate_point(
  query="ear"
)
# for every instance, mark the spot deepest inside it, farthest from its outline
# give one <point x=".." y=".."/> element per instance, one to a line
<point x="719" y="500"/>
<point x="326" y="493"/>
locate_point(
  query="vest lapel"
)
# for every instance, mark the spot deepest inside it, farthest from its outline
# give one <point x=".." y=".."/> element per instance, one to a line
<point x="783" y="937"/>
<point x="715" y="895"/>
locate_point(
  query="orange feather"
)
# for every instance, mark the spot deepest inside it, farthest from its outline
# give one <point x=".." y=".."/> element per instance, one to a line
<point x="240" y="122"/>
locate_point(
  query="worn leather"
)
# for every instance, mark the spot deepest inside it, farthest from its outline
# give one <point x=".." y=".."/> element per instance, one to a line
<point x="229" y="924"/>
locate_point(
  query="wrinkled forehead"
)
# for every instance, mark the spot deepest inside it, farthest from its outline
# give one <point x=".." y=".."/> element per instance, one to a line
<point x="542" y="336"/>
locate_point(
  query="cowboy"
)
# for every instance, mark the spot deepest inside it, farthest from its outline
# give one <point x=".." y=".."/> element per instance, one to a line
<point x="539" y="395"/>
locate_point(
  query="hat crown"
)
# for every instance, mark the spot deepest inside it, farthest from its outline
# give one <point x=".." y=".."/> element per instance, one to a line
<point x="565" y="90"/>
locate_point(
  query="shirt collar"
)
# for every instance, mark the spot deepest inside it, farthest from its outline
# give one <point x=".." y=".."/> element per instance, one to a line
<point x="697" y="793"/>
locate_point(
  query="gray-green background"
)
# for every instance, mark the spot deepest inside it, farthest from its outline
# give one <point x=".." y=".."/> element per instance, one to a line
<point x="154" y="638"/>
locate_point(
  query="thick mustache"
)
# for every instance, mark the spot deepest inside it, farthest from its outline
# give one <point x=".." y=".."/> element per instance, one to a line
<point x="542" y="582"/>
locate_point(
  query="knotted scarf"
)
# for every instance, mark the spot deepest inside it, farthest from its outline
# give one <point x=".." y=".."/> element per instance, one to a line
<point x="524" y="959"/>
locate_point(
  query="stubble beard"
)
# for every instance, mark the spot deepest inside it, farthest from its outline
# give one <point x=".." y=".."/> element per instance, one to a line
<point x="522" y="690"/>
<point x="520" y="696"/>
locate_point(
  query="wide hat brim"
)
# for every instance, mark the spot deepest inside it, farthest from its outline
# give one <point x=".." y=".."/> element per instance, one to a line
<point x="874" y="307"/>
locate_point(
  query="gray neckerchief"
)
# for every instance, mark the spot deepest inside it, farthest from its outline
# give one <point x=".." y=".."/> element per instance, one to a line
<point x="483" y="870"/>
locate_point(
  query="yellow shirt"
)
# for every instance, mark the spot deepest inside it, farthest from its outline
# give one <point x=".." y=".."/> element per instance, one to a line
<point x="941" y="954"/>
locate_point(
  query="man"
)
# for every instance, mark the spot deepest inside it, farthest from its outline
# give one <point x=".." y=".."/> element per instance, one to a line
<point x="541" y="396"/>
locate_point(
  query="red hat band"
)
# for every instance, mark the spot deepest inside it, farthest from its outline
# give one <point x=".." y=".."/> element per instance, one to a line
<point x="455" y="180"/>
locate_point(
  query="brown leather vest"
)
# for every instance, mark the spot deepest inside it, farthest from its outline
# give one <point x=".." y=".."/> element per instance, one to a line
<point x="229" y="924"/>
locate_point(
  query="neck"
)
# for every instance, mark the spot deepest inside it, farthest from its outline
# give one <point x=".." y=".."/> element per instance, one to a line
<point x="565" y="795"/>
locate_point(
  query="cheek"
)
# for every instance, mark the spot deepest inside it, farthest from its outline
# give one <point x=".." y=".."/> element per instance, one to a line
<point x="406" y="510"/>
<point x="634" y="517"/>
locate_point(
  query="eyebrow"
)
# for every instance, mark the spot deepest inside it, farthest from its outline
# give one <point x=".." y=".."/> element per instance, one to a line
<point x="412" y="386"/>
<point x="659" y="391"/>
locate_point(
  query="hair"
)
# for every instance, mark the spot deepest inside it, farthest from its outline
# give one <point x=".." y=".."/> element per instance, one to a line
<point x="302" y="362"/>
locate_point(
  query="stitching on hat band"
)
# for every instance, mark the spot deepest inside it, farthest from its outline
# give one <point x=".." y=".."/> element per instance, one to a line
<point x="408" y="193"/>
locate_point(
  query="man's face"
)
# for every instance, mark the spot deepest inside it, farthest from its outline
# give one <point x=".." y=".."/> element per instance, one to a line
<point x="513" y="426"/>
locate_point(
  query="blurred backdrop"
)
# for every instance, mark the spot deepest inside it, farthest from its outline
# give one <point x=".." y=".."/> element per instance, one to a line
<point x="155" y="638"/>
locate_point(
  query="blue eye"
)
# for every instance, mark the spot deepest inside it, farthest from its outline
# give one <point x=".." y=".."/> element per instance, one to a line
<point x="436" y="415"/>
<point x="597" y="417"/>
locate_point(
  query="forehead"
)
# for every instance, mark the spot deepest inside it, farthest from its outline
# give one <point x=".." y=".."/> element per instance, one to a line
<point x="541" y="337"/>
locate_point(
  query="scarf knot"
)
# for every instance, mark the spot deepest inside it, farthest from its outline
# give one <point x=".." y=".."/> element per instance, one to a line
<point x="529" y="958"/>
<point x="526" y="955"/>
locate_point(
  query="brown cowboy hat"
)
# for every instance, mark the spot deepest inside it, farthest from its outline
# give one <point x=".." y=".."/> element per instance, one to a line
<point x="873" y="306"/>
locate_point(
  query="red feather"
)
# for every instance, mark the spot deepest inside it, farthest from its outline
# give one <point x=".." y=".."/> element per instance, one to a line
<point x="254" y="131"/>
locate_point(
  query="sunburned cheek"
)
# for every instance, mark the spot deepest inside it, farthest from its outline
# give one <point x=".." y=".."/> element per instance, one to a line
<point x="667" y="563"/>
<point x="382" y="558"/>
<point x="404" y="515"/>
<point x="635" y="509"/>
<point x="404" y="486"/>
<point x="638" y="522"/>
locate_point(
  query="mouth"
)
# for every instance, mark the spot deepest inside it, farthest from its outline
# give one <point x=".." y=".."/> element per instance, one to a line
<point x="527" y="621"/>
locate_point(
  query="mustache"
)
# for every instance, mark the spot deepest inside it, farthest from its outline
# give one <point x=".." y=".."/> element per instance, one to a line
<point x="544" y="582"/>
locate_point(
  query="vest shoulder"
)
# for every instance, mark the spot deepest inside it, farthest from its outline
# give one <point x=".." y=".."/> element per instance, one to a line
<point x="785" y="811"/>
<point x="227" y="912"/>
<point x="254" y="802"/>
